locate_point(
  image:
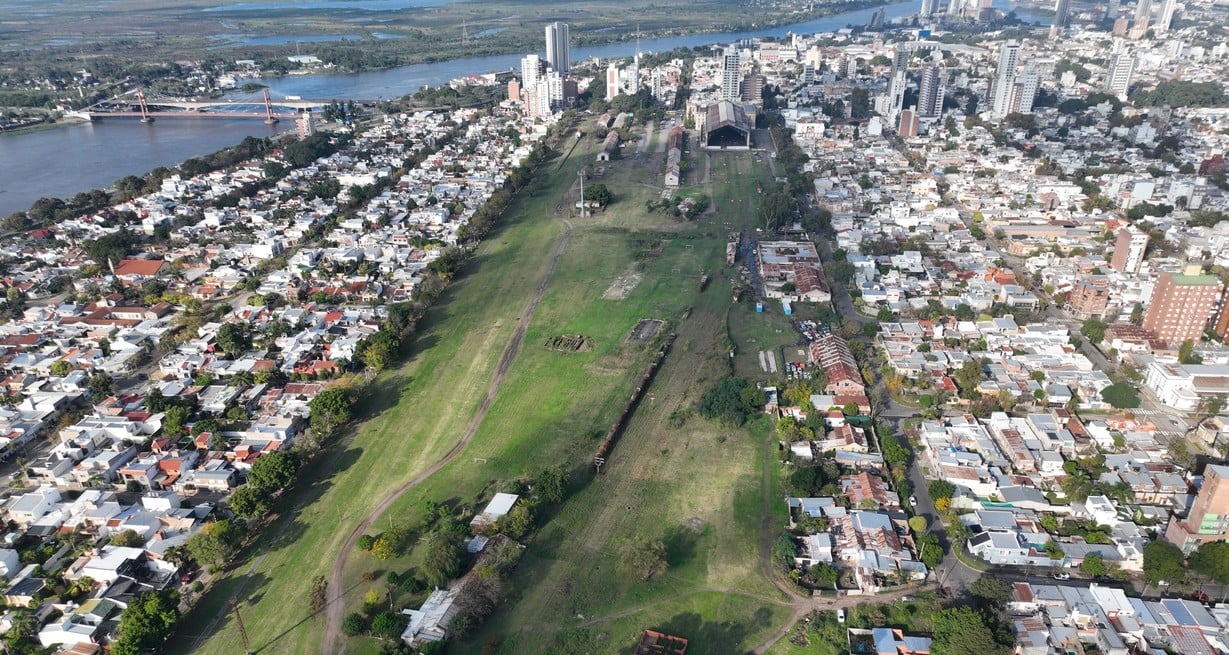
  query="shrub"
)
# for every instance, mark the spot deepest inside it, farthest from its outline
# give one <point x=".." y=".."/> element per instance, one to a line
<point x="354" y="624"/>
<point x="365" y="542"/>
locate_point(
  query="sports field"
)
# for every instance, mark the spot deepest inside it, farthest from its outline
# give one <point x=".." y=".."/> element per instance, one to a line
<point x="699" y="488"/>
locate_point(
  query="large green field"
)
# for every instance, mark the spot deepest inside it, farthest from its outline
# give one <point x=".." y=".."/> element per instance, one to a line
<point x="700" y="488"/>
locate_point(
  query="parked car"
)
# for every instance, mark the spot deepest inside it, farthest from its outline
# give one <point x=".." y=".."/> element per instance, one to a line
<point x="913" y="501"/>
<point x="840" y="616"/>
<point x="1060" y="575"/>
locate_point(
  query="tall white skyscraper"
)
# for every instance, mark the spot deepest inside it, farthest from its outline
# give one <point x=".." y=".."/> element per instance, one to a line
<point x="1167" y="16"/>
<point x="928" y="8"/>
<point x="731" y="74"/>
<point x="1004" y="80"/>
<point x="531" y="70"/>
<point x="612" y="81"/>
<point x="1026" y="91"/>
<point x="1118" y="73"/>
<point x="955" y="7"/>
<point x="930" y="93"/>
<point x="558" y="51"/>
<point x="1062" y="10"/>
<point x="897" y="84"/>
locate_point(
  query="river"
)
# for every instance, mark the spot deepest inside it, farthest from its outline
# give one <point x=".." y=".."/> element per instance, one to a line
<point x="65" y="161"/>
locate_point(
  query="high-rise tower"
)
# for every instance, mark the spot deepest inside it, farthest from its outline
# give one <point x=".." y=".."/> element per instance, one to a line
<point x="1005" y="80"/>
<point x="730" y="75"/>
<point x="930" y="93"/>
<point x="558" y="52"/>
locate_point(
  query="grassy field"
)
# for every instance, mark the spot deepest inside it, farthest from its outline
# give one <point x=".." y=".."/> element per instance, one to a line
<point x="699" y="488"/>
<point x="415" y="415"/>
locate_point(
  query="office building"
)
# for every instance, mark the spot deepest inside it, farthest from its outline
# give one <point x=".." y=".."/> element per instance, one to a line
<point x="1129" y="250"/>
<point x="894" y="100"/>
<point x="558" y="50"/>
<point x="1062" y="10"/>
<point x="1004" y="80"/>
<point x="1181" y="306"/>
<point x="1118" y="73"/>
<point x="930" y="93"/>
<point x="1143" y="13"/>
<point x="612" y="81"/>
<point x="731" y="76"/>
<point x="305" y="124"/>
<point x="1208" y="519"/>
<point x="1166" y="19"/>
<point x="1024" y="91"/>
<point x="928" y="8"/>
<point x="531" y="70"/>
<point x="908" y="124"/>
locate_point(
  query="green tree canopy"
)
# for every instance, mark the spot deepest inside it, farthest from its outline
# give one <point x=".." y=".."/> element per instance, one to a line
<point x="146" y="623"/>
<point x="217" y="542"/>
<point x="329" y="409"/>
<point x="1094" y="566"/>
<point x="1163" y="563"/>
<point x="234" y="338"/>
<point x="444" y="554"/>
<point x="1212" y="560"/>
<point x="965" y="631"/>
<point x="1121" y="395"/>
<point x="274" y="471"/>
<point x="731" y="401"/>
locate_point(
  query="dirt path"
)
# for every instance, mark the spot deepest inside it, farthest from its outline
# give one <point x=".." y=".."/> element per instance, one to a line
<point x="336" y="604"/>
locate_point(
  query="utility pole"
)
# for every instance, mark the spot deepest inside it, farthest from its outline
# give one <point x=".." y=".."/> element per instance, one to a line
<point x="581" y="175"/>
<point x="247" y="646"/>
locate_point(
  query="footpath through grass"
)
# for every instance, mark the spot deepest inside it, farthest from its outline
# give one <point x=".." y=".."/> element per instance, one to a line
<point x="413" y="416"/>
<point x="698" y="488"/>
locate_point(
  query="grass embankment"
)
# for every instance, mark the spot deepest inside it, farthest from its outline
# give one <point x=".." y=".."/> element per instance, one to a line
<point x="698" y="488"/>
<point x="415" y="414"/>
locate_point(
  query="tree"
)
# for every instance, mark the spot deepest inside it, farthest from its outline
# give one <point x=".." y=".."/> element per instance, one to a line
<point x="1186" y="353"/>
<point x="173" y="420"/>
<point x="1212" y="560"/>
<point x="146" y="623"/>
<point x="518" y="522"/>
<point x="388" y="545"/>
<point x="102" y="385"/>
<point x="234" y="339"/>
<point x="598" y="193"/>
<point x="964" y="631"/>
<point x="964" y="312"/>
<point x="388" y="625"/>
<point x="129" y="538"/>
<point x="731" y="401"/>
<point x="917" y="524"/>
<point x="1094" y="566"/>
<point x="646" y="558"/>
<point x="994" y="592"/>
<point x="443" y="557"/>
<point x="1094" y="329"/>
<point x="1120" y="395"/>
<point x="777" y="209"/>
<point x="930" y="551"/>
<point x="940" y="489"/>
<point x="217" y="542"/>
<point x="551" y="483"/>
<point x="249" y="502"/>
<point x="329" y="409"/>
<point x="968" y="378"/>
<point x="354" y="624"/>
<point x="824" y="575"/>
<point x="365" y="542"/>
<point x="61" y="368"/>
<point x="380" y="350"/>
<point x="274" y="471"/>
<point x="1163" y="563"/>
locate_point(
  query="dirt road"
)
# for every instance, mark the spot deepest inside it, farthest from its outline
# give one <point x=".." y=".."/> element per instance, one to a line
<point x="336" y="602"/>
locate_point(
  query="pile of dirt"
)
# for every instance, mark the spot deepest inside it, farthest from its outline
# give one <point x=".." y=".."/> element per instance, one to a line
<point x="569" y="343"/>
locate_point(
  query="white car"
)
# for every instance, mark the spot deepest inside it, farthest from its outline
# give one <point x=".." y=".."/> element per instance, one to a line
<point x="913" y="501"/>
<point x="840" y="616"/>
<point x="1062" y="576"/>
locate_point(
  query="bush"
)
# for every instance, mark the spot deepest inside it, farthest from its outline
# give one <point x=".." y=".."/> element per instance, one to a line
<point x="388" y="545"/>
<point x="354" y="624"/>
<point x="365" y="542"/>
<point x="388" y="625"/>
<point x="731" y="401"/>
<point x="1121" y="396"/>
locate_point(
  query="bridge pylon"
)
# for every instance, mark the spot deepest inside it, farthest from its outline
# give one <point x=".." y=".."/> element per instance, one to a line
<point x="145" y="117"/>
<point x="270" y="119"/>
